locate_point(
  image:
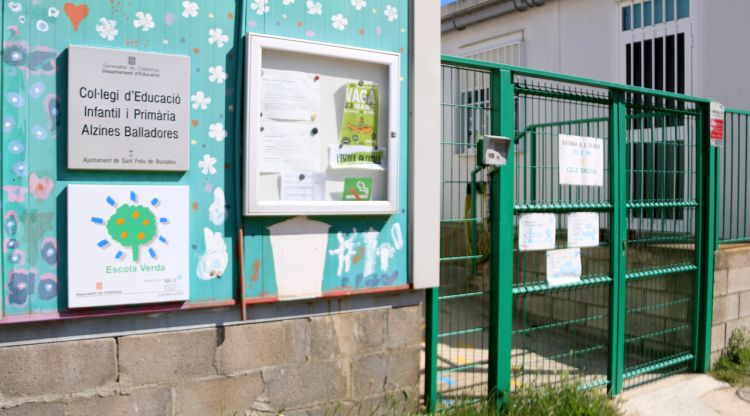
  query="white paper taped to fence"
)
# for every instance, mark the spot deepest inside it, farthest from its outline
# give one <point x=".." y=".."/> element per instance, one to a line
<point x="536" y="232"/>
<point x="563" y="266"/>
<point x="581" y="160"/>
<point x="583" y="229"/>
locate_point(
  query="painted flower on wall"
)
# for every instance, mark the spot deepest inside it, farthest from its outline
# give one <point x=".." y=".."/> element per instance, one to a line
<point x="53" y="12"/>
<point x="216" y="131"/>
<point x="217" y="36"/>
<point x="190" y="9"/>
<point x="200" y="100"/>
<point x="314" y="7"/>
<point x="339" y="21"/>
<point x="260" y="6"/>
<point x="15" y="99"/>
<point x="217" y="74"/>
<point x="288" y="2"/>
<point x="42" y="26"/>
<point x="19" y="168"/>
<point x="15" y="6"/>
<point x="391" y="13"/>
<point x="207" y="165"/>
<point x="40" y="186"/>
<point x="359" y="4"/>
<point x="144" y="21"/>
<point x="107" y="29"/>
<point x="15" y="193"/>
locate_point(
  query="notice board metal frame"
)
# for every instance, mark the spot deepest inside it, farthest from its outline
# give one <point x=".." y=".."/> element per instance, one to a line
<point x="253" y="204"/>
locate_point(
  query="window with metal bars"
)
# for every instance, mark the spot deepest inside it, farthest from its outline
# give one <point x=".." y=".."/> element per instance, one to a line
<point x="655" y="36"/>
<point x="637" y="14"/>
<point x="476" y="117"/>
<point x="475" y="95"/>
<point x="658" y="175"/>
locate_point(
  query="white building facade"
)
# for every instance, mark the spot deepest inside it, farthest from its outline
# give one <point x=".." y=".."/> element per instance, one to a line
<point x="698" y="47"/>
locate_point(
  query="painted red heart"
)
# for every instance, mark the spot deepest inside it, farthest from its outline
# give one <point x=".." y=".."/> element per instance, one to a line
<point x="76" y="13"/>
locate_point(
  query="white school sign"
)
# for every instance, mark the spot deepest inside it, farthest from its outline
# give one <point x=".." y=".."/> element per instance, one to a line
<point x="128" y="110"/>
<point x="581" y="160"/>
<point x="127" y="244"/>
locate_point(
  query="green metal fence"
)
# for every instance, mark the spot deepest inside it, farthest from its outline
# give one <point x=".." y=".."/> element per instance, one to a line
<point x="734" y="179"/>
<point x="461" y="317"/>
<point x="641" y="310"/>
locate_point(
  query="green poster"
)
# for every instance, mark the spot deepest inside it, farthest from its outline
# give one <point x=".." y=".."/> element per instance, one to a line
<point x="359" y="125"/>
<point x="357" y="189"/>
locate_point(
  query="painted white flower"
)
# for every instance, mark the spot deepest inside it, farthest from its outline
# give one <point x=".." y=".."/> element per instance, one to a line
<point x="189" y="9"/>
<point x="391" y="12"/>
<point x="200" y="100"/>
<point x="260" y="6"/>
<point x="15" y="6"/>
<point x="288" y="2"/>
<point x="216" y="131"/>
<point x="217" y="36"/>
<point x="217" y="74"/>
<point x="359" y="4"/>
<point x="339" y="21"/>
<point x="314" y="7"/>
<point x="144" y="20"/>
<point x="53" y="12"/>
<point x="207" y="164"/>
<point x="107" y="28"/>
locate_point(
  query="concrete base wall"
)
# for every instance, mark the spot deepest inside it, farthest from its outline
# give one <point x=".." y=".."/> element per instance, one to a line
<point x="359" y="360"/>
<point x="731" y="295"/>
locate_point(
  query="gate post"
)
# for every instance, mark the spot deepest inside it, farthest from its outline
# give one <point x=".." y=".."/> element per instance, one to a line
<point x="706" y="242"/>
<point x="618" y="238"/>
<point x="502" y="98"/>
<point x="431" y="341"/>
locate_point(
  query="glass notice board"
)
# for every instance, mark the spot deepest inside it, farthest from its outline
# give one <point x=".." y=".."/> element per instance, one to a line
<point x="321" y="129"/>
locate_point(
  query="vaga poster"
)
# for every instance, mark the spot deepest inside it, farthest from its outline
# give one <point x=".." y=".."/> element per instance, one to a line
<point x="127" y="245"/>
<point x="359" y="125"/>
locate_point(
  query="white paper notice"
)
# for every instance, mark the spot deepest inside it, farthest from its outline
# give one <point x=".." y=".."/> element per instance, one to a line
<point x="357" y="157"/>
<point x="581" y="160"/>
<point x="563" y="266"/>
<point x="536" y="232"/>
<point x="303" y="186"/>
<point x="289" y="147"/>
<point x="583" y="229"/>
<point x="290" y="95"/>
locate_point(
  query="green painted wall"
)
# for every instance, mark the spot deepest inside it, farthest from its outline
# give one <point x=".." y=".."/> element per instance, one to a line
<point x="35" y="37"/>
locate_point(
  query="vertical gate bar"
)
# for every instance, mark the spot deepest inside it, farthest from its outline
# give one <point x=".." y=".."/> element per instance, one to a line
<point x="432" y="311"/>
<point x="703" y="302"/>
<point x="699" y="236"/>
<point x="501" y="231"/>
<point x="618" y="230"/>
<point x="532" y="163"/>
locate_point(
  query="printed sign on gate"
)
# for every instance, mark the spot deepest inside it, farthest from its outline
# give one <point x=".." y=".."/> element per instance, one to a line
<point x="717" y="124"/>
<point x="581" y="160"/>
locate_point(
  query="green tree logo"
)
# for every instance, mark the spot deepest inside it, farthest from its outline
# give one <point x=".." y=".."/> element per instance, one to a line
<point x="132" y="226"/>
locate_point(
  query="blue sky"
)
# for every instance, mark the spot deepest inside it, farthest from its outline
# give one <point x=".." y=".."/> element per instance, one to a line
<point x="444" y="2"/>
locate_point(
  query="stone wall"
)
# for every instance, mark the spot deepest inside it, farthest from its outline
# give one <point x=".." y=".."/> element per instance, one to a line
<point x="731" y="295"/>
<point x="352" y="361"/>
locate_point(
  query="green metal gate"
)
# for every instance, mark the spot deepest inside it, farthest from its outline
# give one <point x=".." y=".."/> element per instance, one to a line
<point x="642" y="308"/>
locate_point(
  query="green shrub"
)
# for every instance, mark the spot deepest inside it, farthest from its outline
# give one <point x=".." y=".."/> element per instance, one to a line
<point x="734" y="365"/>
<point x="564" y="399"/>
<point x="738" y="348"/>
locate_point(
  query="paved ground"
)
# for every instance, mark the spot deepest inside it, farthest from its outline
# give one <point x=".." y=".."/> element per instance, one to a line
<point x="685" y="395"/>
